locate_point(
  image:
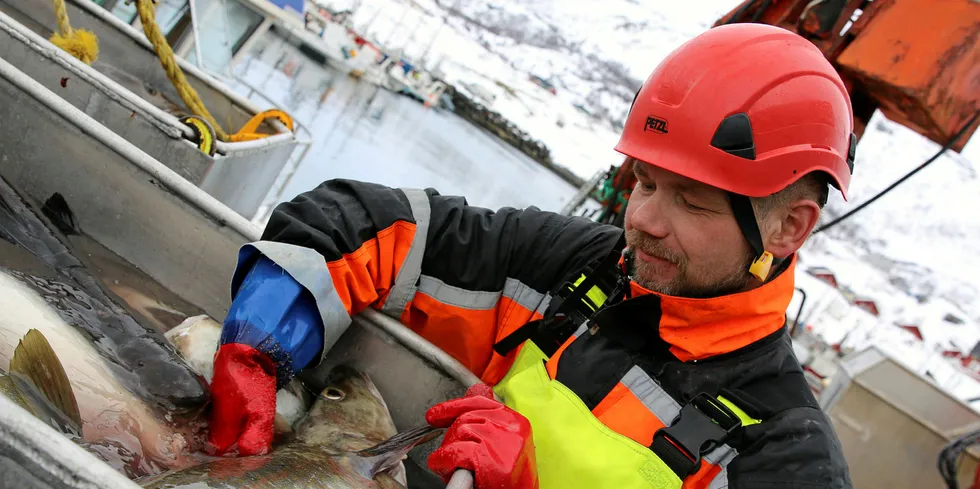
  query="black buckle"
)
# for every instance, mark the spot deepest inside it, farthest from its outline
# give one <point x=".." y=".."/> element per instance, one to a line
<point x="548" y="334"/>
<point x="703" y="425"/>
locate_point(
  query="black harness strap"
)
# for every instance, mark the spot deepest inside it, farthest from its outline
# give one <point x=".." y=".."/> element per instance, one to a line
<point x="571" y="307"/>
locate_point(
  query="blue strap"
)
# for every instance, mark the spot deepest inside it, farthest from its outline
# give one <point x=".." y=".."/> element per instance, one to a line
<point x="274" y="314"/>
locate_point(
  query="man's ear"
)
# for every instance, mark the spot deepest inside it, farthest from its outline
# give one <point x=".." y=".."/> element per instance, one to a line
<point x="790" y="227"/>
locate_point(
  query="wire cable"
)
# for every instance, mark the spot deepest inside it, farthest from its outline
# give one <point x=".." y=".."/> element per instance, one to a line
<point x="935" y="157"/>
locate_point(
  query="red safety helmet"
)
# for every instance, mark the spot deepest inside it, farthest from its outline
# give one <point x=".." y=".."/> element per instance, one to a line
<point x="748" y="108"/>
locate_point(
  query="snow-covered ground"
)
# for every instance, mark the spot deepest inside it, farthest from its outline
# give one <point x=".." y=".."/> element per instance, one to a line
<point x="914" y="251"/>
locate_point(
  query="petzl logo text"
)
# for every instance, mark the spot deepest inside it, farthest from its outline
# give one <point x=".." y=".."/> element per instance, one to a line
<point x="655" y="124"/>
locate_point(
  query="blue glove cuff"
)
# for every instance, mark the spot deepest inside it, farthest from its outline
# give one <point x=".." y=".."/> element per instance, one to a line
<point x="277" y="316"/>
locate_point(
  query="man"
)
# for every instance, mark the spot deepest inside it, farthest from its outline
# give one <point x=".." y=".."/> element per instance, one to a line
<point x="664" y="365"/>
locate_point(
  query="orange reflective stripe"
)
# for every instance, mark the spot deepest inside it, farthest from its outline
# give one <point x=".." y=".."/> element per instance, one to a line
<point x="474" y="320"/>
<point x="513" y="315"/>
<point x="638" y="406"/>
<point x="623" y="413"/>
<point x="552" y="364"/>
<point x="361" y="277"/>
<point x="466" y="334"/>
<point x="703" y="477"/>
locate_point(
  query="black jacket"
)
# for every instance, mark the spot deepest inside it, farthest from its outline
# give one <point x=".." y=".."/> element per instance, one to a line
<point x="467" y="278"/>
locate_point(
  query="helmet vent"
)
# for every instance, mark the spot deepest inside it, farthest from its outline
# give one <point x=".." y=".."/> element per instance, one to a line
<point x="734" y="136"/>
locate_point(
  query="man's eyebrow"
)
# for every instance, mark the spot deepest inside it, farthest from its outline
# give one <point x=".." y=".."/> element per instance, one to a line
<point x="699" y="191"/>
<point x="637" y="170"/>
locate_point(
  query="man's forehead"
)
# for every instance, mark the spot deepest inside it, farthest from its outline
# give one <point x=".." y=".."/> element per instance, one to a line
<point x="649" y="170"/>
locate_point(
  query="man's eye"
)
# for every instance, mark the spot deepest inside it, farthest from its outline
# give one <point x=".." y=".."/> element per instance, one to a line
<point x="692" y="206"/>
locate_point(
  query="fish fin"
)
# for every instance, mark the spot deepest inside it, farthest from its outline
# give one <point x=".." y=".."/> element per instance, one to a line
<point x="388" y="453"/>
<point x="57" y="211"/>
<point x="35" y="360"/>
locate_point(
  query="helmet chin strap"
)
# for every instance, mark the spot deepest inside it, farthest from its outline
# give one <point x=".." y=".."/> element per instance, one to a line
<point x="745" y="216"/>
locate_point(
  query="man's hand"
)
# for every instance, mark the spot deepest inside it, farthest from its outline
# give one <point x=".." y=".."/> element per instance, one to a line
<point x="243" y="396"/>
<point x="273" y="329"/>
<point x="487" y="438"/>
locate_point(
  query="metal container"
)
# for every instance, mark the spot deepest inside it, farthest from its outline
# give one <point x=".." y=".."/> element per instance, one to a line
<point x="893" y="423"/>
<point x="188" y="242"/>
<point x="127" y="91"/>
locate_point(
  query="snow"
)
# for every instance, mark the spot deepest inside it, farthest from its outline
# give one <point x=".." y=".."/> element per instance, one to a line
<point x="914" y="252"/>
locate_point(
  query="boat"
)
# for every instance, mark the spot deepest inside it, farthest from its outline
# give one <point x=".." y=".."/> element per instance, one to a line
<point x="127" y="91"/>
<point x="170" y="228"/>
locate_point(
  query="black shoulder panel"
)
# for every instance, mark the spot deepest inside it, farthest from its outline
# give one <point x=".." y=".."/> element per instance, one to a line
<point x="338" y="216"/>
<point x="478" y="249"/>
<point x="796" y="449"/>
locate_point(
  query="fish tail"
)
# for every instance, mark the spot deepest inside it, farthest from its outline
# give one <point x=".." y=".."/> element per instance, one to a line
<point x="406" y="439"/>
<point x="388" y="453"/>
<point x="36" y="361"/>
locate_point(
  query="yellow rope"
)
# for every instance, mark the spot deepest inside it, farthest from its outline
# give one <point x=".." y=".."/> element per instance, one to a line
<point x="174" y="73"/>
<point x="80" y="43"/>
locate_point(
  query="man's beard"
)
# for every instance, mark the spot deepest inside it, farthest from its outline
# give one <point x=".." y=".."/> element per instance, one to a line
<point x="685" y="283"/>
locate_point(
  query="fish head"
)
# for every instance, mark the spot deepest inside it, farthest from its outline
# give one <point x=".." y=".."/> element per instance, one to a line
<point x="348" y="415"/>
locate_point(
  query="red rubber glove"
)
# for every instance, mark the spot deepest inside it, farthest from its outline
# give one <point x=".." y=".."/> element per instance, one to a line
<point x="485" y="437"/>
<point x="243" y="397"/>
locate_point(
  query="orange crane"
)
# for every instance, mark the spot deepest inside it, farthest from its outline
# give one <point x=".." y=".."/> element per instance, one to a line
<point x="917" y="61"/>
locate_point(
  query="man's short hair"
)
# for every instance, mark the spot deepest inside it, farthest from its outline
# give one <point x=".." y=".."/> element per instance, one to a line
<point x="812" y="186"/>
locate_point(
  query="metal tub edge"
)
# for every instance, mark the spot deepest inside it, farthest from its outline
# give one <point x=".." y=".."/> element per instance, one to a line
<point x="115" y="93"/>
<point x="188" y="241"/>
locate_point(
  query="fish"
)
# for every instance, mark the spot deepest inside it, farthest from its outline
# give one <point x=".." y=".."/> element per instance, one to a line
<point x="347" y="440"/>
<point x="131" y="435"/>
<point x="140" y="357"/>
<point x="37" y="382"/>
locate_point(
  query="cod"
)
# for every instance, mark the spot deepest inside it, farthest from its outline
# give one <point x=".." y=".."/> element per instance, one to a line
<point x="346" y="440"/>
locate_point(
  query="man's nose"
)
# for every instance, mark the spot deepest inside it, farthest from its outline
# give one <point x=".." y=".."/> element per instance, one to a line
<point x="650" y="218"/>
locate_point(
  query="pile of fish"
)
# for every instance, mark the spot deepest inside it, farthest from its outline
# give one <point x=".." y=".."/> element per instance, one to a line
<point x="346" y="440"/>
<point x="137" y="399"/>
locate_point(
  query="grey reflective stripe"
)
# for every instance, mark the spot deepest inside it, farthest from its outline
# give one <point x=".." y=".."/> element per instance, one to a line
<point x="722" y="455"/>
<point x="308" y="267"/>
<point x="666" y="409"/>
<point x="545" y="302"/>
<point x="654" y="397"/>
<point x="408" y="275"/>
<point x="515" y="290"/>
<point x="721" y="480"/>
<point x="582" y="328"/>
<point x="455" y="296"/>
<point x="524" y="295"/>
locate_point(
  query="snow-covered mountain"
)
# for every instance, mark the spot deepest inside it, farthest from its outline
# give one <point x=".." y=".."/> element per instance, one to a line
<point x="917" y="245"/>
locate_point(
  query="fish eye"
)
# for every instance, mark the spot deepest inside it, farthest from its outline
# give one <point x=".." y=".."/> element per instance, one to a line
<point x="334" y="394"/>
